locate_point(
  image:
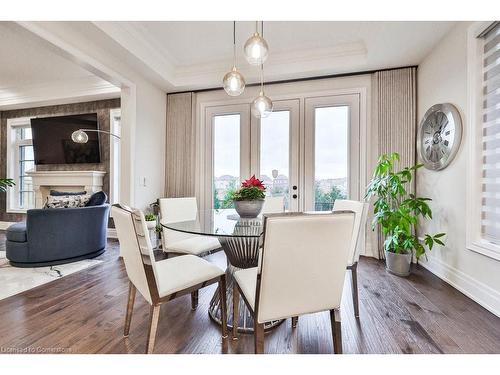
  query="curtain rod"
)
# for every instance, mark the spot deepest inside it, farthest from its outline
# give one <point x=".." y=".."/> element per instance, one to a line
<point x="339" y="75"/>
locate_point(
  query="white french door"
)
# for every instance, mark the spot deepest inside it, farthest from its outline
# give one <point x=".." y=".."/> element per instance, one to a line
<point x="307" y="151"/>
<point x="275" y="151"/>
<point x="331" y="151"/>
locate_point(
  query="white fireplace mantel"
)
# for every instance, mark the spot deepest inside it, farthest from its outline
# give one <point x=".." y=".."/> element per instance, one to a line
<point x="44" y="181"/>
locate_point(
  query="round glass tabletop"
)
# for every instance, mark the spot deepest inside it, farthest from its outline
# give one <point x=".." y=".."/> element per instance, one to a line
<point x="219" y="223"/>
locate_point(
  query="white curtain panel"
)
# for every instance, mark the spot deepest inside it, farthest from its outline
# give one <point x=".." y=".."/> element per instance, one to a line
<point x="180" y="144"/>
<point x="395" y="119"/>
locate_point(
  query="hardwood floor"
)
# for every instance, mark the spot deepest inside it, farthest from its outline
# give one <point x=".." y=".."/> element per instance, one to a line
<point x="84" y="313"/>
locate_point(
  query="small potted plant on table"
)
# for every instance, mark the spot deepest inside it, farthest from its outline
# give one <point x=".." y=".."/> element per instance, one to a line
<point x="249" y="198"/>
<point x="150" y="221"/>
<point x="397" y="212"/>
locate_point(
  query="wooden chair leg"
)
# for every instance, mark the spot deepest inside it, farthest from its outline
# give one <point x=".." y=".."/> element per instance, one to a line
<point x="194" y="300"/>
<point x="295" y="321"/>
<point x="236" y="305"/>
<point x="223" y="301"/>
<point x="130" y="308"/>
<point x="355" y="297"/>
<point x="336" y="331"/>
<point x="154" y="315"/>
<point x="258" y="337"/>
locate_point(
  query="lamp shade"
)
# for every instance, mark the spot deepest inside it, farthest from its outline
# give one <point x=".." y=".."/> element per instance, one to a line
<point x="79" y="136"/>
<point x="233" y="82"/>
<point x="262" y="106"/>
<point x="256" y="49"/>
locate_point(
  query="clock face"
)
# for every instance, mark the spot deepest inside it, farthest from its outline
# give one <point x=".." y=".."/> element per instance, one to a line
<point x="439" y="136"/>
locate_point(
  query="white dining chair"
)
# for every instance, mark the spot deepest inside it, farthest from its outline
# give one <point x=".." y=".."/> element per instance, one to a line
<point x="273" y="205"/>
<point x="361" y="210"/>
<point x="301" y="271"/>
<point x="183" y="209"/>
<point x="162" y="281"/>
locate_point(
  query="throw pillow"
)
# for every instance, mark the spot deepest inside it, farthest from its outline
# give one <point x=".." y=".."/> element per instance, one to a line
<point x="97" y="199"/>
<point x="67" y="201"/>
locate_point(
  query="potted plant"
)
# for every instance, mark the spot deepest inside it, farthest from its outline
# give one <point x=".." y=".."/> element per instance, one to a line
<point x="150" y="221"/>
<point x="6" y="183"/>
<point x="249" y="198"/>
<point x="397" y="212"/>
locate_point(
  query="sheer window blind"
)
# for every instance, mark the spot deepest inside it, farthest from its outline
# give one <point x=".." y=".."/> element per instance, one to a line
<point x="490" y="221"/>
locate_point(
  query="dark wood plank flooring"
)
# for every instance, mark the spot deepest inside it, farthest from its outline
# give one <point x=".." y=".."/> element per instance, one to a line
<point x="84" y="313"/>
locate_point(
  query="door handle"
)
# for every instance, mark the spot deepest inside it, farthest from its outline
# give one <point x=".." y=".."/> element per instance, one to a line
<point x="294" y="187"/>
<point x="294" y="196"/>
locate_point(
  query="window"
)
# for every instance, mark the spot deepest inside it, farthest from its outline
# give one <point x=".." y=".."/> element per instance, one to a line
<point x="490" y="204"/>
<point x="330" y="156"/>
<point x="226" y="177"/>
<point x="114" y="170"/>
<point x="20" y="160"/>
<point x="275" y="154"/>
<point x="483" y="168"/>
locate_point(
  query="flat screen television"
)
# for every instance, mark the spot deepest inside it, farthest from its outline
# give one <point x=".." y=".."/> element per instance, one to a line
<point x="52" y="142"/>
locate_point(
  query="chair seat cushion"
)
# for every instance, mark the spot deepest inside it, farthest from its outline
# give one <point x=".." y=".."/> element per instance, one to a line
<point x="247" y="281"/>
<point x="195" y="245"/>
<point x="17" y="232"/>
<point x="185" y="271"/>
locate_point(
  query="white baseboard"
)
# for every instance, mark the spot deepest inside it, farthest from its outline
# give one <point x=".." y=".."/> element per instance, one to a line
<point x="5" y="224"/>
<point x="479" y="292"/>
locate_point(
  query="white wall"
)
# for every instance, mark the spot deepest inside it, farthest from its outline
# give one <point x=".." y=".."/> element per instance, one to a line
<point x="442" y="77"/>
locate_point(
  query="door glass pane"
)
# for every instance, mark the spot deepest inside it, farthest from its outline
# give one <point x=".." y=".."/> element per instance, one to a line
<point x="226" y="157"/>
<point x="330" y="156"/>
<point x="275" y="154"/>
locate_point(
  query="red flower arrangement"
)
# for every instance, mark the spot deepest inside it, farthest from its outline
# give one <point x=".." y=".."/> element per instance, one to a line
<point x="250" y="190"/>
<point x="252" y="181"/>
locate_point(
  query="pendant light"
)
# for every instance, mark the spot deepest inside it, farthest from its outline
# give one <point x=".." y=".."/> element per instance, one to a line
<point x="233" y="81"/>
<point x="256" y="48"/>
<point x="262" y="106"/>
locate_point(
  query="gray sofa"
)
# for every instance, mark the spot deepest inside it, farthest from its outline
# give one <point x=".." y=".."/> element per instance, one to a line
<point x="57" y="236"/>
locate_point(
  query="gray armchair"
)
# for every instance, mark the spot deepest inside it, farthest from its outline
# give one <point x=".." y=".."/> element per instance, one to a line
<point x="57" y="236"/>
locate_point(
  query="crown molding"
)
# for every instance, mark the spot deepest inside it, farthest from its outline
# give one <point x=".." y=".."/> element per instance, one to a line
<point x="142" y="43"/>
<point x="59" y="92"/>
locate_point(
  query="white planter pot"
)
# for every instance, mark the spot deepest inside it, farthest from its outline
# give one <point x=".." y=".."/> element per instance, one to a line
<point x="151" y="224"/>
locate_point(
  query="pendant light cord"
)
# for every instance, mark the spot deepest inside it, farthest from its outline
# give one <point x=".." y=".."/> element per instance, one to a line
<point x="234" y="44"/>
<point x="262" y="64"/>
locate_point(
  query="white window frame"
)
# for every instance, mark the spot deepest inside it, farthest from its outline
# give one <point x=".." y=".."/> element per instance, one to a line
<point x="474" y="239"/>
<point x="12" y="196"/>
<point x="114" y="156"/>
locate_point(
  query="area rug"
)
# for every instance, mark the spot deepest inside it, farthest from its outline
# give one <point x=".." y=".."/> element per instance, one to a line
<point x="15" y="280"/>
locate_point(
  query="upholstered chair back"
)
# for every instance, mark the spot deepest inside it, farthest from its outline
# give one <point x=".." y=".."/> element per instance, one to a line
<point x="361" y="210"/>
<point x="304" y="259"/>
<point x="273" y="205"/>
<point x="173" y="210"/>
<point x="136" y="249"/>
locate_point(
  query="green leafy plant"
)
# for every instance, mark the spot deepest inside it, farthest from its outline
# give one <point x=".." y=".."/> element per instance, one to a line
<point x="150" y="217"/>
<point x="397" y="211"/>
<point x="6" y="183"/>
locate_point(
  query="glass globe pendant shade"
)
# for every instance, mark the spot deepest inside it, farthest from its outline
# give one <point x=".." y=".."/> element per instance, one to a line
<point x="79" y="136"/>
<point x="233" y="82"/>
<point x="262" y="106"/>
<point x="256" y="49"/>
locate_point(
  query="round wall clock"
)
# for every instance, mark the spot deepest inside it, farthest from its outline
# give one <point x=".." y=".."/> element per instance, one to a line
<point x="439" y="136"/>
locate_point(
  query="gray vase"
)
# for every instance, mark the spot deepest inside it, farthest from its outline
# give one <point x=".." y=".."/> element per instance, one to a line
<point x="248" y="209"/>
<point x="398" y="264"/>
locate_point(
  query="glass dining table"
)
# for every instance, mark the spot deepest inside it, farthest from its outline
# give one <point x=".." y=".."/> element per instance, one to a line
<point x="240" y="239"/>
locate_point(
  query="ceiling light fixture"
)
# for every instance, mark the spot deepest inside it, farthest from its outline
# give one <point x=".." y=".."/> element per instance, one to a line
<point x="262" y="106"/>
<point x="256" y="48"/>
<point x="233" y="81"/>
